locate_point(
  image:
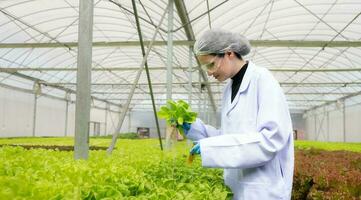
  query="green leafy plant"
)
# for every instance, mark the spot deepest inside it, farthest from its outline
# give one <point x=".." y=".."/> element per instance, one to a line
<point x="176" y="113"/>
<point x="137" y="169"/>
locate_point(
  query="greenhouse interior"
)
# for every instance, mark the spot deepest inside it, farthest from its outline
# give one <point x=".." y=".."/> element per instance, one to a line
<point x="83" y="84"/>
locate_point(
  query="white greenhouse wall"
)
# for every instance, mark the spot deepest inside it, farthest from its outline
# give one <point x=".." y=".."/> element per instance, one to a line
<point x="145" y="119"/>
<point x="298" y="122"/>
<point x="71" y="120"/>
<point x="112" y="123"/>
<point x="341" y="122"/>
<point x="16" y="119"/>
<point x="353" y="124"/>
<point x="17" y="110"/>
<point x="16" y="113"/>
<point x="50" y="117"/>
<point x="97" y="116"/>
<point x="335" y="126"/>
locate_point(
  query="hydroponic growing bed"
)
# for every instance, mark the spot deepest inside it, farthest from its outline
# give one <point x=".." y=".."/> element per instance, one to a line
<point x="139" y="170"/>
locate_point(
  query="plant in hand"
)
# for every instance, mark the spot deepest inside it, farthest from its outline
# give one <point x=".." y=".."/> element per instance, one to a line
<point x="177" y="113"/>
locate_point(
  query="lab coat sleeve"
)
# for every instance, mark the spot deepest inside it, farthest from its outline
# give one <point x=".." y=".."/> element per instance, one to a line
<point x="199" y="130"/>
<point x="253" y="149"/>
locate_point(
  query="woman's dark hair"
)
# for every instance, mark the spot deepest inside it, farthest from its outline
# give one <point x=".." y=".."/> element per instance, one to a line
<point x="222" y="55"/>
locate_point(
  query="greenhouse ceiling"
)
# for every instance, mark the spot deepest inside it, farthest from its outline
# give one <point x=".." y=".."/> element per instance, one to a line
<point x="313" y="48"/>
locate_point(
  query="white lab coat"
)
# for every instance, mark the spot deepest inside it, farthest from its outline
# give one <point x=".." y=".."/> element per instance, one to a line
<point x="255" y="142"/>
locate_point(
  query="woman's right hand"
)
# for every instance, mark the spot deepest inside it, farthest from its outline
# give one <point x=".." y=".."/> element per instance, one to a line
<point x="196" y="130"/>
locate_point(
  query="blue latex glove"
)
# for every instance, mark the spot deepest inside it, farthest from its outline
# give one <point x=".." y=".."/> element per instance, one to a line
<point x="186" y="127"/>
<point x="196" y="149"/>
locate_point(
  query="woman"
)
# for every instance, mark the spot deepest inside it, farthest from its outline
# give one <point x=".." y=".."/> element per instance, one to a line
<point x="255" y="143"/>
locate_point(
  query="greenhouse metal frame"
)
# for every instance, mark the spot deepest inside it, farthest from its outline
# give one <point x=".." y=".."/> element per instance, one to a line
<point x="48" y="49"/>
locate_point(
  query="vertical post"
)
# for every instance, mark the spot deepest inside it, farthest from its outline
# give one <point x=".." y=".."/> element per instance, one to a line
<point x="129" y="123"/>
<point x="315" y="132"/>
<point x="190" y="76"/>
<point x="135" y="82"/>
<point x="37" y="91"/>
<point x="67" y="99"/>
<point x="344" y="120"/>
<point x="34" y="113"/>
<point x="84" y="61"/>
<point x="106" y="118"/>
<point x="147" y="72"/>
<point x="328" y="126"/>
<point x="168" y="139"/>
<point x="200" y="94"/>
<point x="205" y="108"/>
<point x="210" y="112"/>
<point x="170" y="49"/>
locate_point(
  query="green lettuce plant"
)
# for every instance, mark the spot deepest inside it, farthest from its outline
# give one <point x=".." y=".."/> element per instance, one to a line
<point x="176" y="113"/>
<point x="137" y="169"/>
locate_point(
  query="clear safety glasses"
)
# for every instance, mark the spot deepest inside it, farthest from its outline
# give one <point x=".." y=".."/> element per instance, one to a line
<point x="211" y="66"/>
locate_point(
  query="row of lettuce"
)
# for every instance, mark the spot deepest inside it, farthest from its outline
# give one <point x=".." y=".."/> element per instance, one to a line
<point x="139" y="170"/>
<point x="136" y="170"/>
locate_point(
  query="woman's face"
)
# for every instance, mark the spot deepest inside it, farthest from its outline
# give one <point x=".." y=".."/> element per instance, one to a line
<point x="218" y="67"/>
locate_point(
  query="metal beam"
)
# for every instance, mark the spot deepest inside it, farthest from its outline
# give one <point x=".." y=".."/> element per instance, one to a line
<point x="315" y="70"/>
<point x="195" y="106"/>
<point x="297" y="43"/>
<point x="95" y="44"/>
<point x="35" y="106"/>
<point x="321" y="84"/>
<point x="67" y="99"/>
<point x="147" y="72"/>
<point x="254" y="43"/>
<point x="132" y="13"/>
<point x="190" y="87"/>
<point x="57" y="86"/>
<point x="187" y="93"/>
<point x="274" y="69"/>
<point x="134" y="85"/>
<point x="170" y="53"/>
<point x="311" y="84"/>
<point x="10" y="87"/>
<point x="164" y="99"/>
<point x="84" y="62"/>
<point x="183" y="15"/>
<point x="337" y="100"/>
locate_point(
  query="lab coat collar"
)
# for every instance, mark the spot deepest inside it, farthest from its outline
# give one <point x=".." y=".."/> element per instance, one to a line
<point x="244" y="85"/>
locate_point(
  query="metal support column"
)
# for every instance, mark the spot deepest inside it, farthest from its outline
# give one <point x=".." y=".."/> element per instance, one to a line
<point x="170" y="49"/>
<point x="84" y="61"/>
<point x="190" y="75"/>
<point x="34" y="113"/>
<point x="344" y="119"/>
<point x="315" y="132"/>
<point x="67" y="99"/>
<point x="209" y="114"/>
<point x="147" y="72"/>
<point x="200" y="95"/>
<point x="106" y="119"/>
<point x="129" y="122"/>
<point x="205" y="108"/>
<point x="328" y="126"/>
<point x="126" y="105"/>
<point x="37" y="92"/>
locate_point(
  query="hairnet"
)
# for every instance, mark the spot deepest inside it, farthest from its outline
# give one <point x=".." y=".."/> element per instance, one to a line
<point x="217" y="41"/>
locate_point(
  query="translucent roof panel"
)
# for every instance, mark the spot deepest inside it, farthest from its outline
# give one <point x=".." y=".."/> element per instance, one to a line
<point x="311" y="47"/>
